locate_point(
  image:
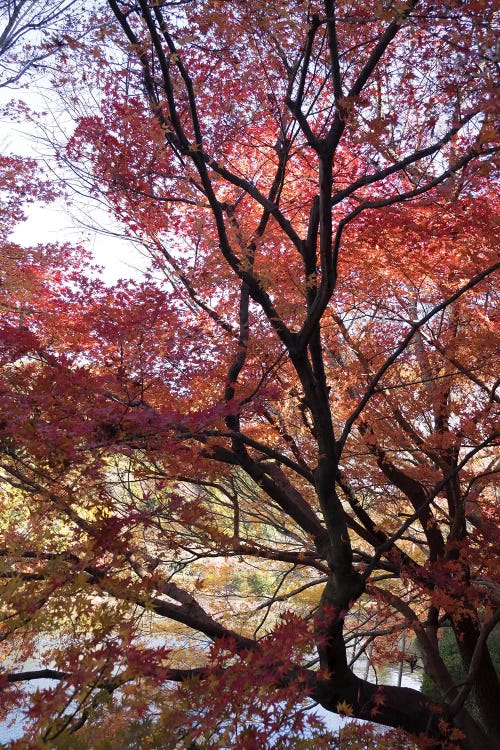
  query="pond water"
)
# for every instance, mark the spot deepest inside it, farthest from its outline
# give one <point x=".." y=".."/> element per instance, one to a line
<point x="388" y="675"/>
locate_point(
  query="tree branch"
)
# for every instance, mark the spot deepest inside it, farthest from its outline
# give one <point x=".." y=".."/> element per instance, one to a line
<point x="404" y="344"/>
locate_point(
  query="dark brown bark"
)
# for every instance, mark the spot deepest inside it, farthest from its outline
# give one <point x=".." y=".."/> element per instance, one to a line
<point x="485" y="682"/>
<point x="400" y="707"/>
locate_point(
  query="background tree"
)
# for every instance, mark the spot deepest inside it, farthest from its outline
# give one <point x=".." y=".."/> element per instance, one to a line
<point x="450" y="652"/>
<point x="281" y="442"/>
<point x="31" y="31"/>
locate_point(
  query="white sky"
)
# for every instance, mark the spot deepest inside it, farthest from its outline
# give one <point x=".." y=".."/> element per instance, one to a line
<point x="58" y="223"/>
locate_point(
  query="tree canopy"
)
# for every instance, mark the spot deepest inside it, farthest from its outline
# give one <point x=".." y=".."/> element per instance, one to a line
<point x="224" y="479"/>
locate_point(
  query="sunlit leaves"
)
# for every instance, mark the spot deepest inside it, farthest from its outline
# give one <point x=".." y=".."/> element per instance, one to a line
<point x="171" y="501"/>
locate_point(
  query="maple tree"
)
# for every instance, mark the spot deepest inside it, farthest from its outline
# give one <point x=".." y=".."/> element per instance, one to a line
<point x="31" y="32"/>
<point x="222" y="482"/>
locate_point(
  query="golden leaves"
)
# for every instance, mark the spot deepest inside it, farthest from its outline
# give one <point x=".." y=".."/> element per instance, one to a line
<point x="344" y="708"/>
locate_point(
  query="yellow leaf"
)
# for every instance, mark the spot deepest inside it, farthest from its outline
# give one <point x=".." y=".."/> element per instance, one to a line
<point x="344" y="708"/>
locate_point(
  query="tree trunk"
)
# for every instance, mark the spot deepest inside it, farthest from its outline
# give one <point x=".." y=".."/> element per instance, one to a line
<point x="401" y="707"/>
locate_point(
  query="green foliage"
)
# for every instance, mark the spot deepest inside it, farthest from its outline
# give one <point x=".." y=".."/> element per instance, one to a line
<point x="258" y="583"/>
<point x="450" y="654"/>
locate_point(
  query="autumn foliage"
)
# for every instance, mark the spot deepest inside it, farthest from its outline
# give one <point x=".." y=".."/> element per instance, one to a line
<point x="275" y="450"/>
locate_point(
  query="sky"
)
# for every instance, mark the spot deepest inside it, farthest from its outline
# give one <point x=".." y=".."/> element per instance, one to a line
<point x="78" y="223"/>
